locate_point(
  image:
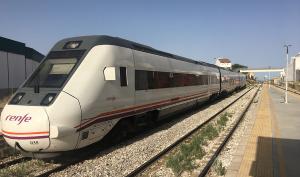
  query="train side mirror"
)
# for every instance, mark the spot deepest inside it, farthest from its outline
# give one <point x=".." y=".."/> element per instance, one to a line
<point x="109" y="73"/>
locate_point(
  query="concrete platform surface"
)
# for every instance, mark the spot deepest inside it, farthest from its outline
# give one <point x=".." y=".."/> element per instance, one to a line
<point x="273" y="146"/>
<point x="286" y="133"/>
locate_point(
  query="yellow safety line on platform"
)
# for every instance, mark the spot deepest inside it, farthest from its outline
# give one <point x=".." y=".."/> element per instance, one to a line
<point x="257" y="159"/>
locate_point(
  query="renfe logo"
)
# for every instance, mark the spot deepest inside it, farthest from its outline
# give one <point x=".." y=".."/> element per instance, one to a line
<point x="19" y="119"/>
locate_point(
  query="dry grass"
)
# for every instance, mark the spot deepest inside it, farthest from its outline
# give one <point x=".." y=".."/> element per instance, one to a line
<point x="23" y="169"/>
<point x="219" y="168"/>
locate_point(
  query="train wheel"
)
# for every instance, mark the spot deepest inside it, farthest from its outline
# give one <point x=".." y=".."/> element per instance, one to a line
<point x="118" y="133"/>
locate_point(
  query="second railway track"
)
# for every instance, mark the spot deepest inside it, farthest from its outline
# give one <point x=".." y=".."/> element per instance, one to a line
<point x="213" y="158"/>
<point x="141" y="169"/>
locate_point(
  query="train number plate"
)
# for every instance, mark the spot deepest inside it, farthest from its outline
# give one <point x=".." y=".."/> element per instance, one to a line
<point x="34" y="142"/>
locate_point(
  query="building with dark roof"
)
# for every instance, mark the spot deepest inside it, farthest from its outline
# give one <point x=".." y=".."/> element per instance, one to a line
<point x="223" y="62"/>
<point x="16" y="64"/>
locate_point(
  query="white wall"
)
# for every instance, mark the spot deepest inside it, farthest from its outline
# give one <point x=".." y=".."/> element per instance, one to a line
<point x="291" y="71"/>
<point x="3" y="70"/>
<point x="293" y="65"/>
<point x="16" y="69"/>
<point x="16" y="64"/>
<point x="297" y="68"/>
<point x="30" y="66"/>
<point x="223" y="65"/>
<point x="297" y="62"/>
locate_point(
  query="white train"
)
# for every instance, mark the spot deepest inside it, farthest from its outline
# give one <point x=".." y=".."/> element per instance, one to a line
<point x="86" y="85"/>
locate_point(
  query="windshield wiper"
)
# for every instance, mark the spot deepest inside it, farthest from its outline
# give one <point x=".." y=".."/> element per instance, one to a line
<point x="37" y="85"/>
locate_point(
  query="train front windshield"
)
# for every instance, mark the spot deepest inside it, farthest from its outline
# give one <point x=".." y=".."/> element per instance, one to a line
<point x="54" y="71"/>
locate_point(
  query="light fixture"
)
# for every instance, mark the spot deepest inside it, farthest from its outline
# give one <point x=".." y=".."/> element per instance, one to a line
<point x="17" y="98"/>
<point x="72" y="45"/>
<point x="48" y="99"/>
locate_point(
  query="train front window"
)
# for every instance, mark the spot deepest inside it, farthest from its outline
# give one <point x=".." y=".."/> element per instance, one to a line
<point x="52" y="73"/>
<point x="55" y="69"/>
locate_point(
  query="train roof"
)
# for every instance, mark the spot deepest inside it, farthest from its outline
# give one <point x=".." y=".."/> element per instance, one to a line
<point x="87" y="42"/>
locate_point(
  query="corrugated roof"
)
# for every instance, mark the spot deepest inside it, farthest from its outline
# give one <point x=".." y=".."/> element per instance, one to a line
<point x="33" y="54"/>
<point x="11" y="46"/>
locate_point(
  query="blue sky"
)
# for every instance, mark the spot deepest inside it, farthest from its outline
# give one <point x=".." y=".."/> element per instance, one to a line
<point x="249" y="32"/>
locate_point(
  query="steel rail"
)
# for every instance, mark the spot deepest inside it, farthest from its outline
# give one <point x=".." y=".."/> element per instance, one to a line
<point x="148" y="163"/>
<point x="225" y="141"/>
<point x="13" y="162"/>
<point x="58" y="169"/>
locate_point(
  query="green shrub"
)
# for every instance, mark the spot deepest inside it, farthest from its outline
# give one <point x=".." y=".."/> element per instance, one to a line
<point x="210" y="132"/>
<point x="192" y="150"/>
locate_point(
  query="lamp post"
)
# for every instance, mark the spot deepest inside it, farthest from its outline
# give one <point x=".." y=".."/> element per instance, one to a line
<point x="269" y="77"/>
<point x="286" y="75"/>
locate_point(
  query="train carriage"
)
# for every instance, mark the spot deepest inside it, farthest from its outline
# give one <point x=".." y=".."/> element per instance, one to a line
<point x="86" y="85"/>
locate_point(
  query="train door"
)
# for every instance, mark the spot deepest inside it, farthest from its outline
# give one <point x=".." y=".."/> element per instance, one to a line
<point x="210" y="83"/>
<point x="117" y="92"/>
<point x="123" y="95"/>
<point x="205" y="81"/>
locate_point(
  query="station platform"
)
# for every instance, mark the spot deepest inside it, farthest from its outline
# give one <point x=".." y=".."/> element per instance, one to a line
<point x="272" y="146"/>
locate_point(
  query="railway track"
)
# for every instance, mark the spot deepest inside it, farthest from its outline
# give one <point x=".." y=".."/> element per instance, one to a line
<point x="8" y="163"/>
<point x="43" y="168"/>
<point x="82" y="155"/>
<point x="57" y="169"/>
<point x="148" y="163"/>
<point x="213" y="158"/>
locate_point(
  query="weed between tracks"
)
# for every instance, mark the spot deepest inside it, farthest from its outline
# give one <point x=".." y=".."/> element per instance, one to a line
<point x="185" y="158"/>
<point x="22" y="169"/>
<point x="219" y="168"/>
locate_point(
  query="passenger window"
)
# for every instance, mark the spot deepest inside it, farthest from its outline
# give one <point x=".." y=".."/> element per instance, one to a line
<point x="141" y="80"/>
<point x="123" y="76"/>
<point x="162" y="80"/>
<point x="109" y="73"/>
<point x="151" y="78"/>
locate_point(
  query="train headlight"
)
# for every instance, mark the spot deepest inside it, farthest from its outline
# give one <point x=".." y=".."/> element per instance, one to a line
<point x="72" y="45"/>
<point x="48" y="99"/>
<point x="17" y="98"/>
